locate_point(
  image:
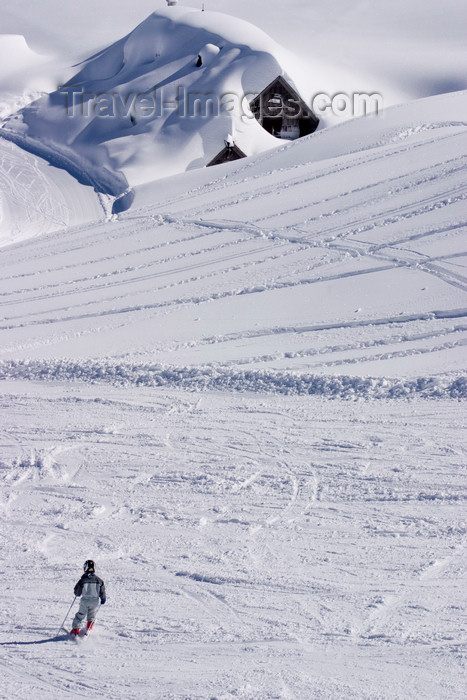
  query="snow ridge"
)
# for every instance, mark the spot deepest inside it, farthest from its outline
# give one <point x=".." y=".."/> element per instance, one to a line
<point x="265" y="381"/>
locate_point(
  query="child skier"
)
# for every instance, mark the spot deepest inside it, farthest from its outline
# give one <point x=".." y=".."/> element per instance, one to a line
<point x="90" y="587"/>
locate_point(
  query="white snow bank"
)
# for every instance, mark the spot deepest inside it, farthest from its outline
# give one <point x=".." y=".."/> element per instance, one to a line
<point x="401" y="49"/>
<point x="397" y="125"/>
<point x="37" y="199"/>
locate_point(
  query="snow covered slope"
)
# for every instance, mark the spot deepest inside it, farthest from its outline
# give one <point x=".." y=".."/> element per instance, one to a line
<point x="253" y="547"/>
<point x="297" y="260"/>
<point x="402" y="49"/>
<point x="142" y="87"/>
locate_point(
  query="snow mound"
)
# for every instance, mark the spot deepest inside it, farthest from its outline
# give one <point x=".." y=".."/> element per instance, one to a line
<point x="36" y="199"/>
<point x="160" y="101"/>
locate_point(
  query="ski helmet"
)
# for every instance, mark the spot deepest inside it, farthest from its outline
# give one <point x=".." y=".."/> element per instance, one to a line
<point x="88" y="566"/>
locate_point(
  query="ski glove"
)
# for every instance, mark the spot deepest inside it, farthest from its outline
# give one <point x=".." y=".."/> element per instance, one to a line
<point x="103" y="601"/>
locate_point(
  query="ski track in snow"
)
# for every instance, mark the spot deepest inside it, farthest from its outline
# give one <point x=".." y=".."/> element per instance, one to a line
<point x="265" y="538"/>
<point x="230" y="273"/>
<point x="26" y="190"/>
<point x="36" y="199"/>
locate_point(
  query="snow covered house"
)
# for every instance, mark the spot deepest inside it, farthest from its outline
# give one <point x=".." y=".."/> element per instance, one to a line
<point x="161" y="101"/>
<point x="229" y="153"/>
<point x="282" y="112"/>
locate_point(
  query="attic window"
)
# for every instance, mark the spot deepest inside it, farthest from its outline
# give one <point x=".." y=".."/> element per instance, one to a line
<point x="229" y="153"/>
<point x="281" y="111"/>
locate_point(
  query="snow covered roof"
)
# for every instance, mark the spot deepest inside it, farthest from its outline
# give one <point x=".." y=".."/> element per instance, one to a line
<point x="157" y="102"/>
<point x="229" y="153"/>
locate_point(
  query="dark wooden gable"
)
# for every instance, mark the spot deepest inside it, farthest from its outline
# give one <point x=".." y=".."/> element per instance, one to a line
<point x="282" y="112"/>
<point x="229" y="153"/>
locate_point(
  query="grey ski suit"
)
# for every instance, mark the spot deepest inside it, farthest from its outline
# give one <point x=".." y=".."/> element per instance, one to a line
<point x="91" y="588"/>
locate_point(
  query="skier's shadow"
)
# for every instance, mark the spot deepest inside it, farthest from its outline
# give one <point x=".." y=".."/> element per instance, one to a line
<point x="50" y="640"/>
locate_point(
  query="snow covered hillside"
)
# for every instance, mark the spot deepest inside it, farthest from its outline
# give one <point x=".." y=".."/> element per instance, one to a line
<point x="243" y="397"/>
<point x="166" y="411"/>
<point x="299" y="260"/>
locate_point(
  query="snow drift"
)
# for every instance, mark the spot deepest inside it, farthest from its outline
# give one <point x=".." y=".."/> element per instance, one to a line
<point x="159" y="101"/>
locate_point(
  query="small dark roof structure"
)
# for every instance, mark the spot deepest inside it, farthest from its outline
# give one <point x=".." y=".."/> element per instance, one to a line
<point x="282" y="112"/>
<point x="229" y="153"/>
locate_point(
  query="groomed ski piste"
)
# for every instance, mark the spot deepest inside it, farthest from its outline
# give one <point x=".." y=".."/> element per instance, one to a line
<point x="244" y="399"/>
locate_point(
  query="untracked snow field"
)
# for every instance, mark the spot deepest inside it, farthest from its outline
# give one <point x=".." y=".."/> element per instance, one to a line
<point x="252" y="546"/>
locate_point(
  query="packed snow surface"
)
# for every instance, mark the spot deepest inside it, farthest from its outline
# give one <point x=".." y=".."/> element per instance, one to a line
<point x="252" y="546"/>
